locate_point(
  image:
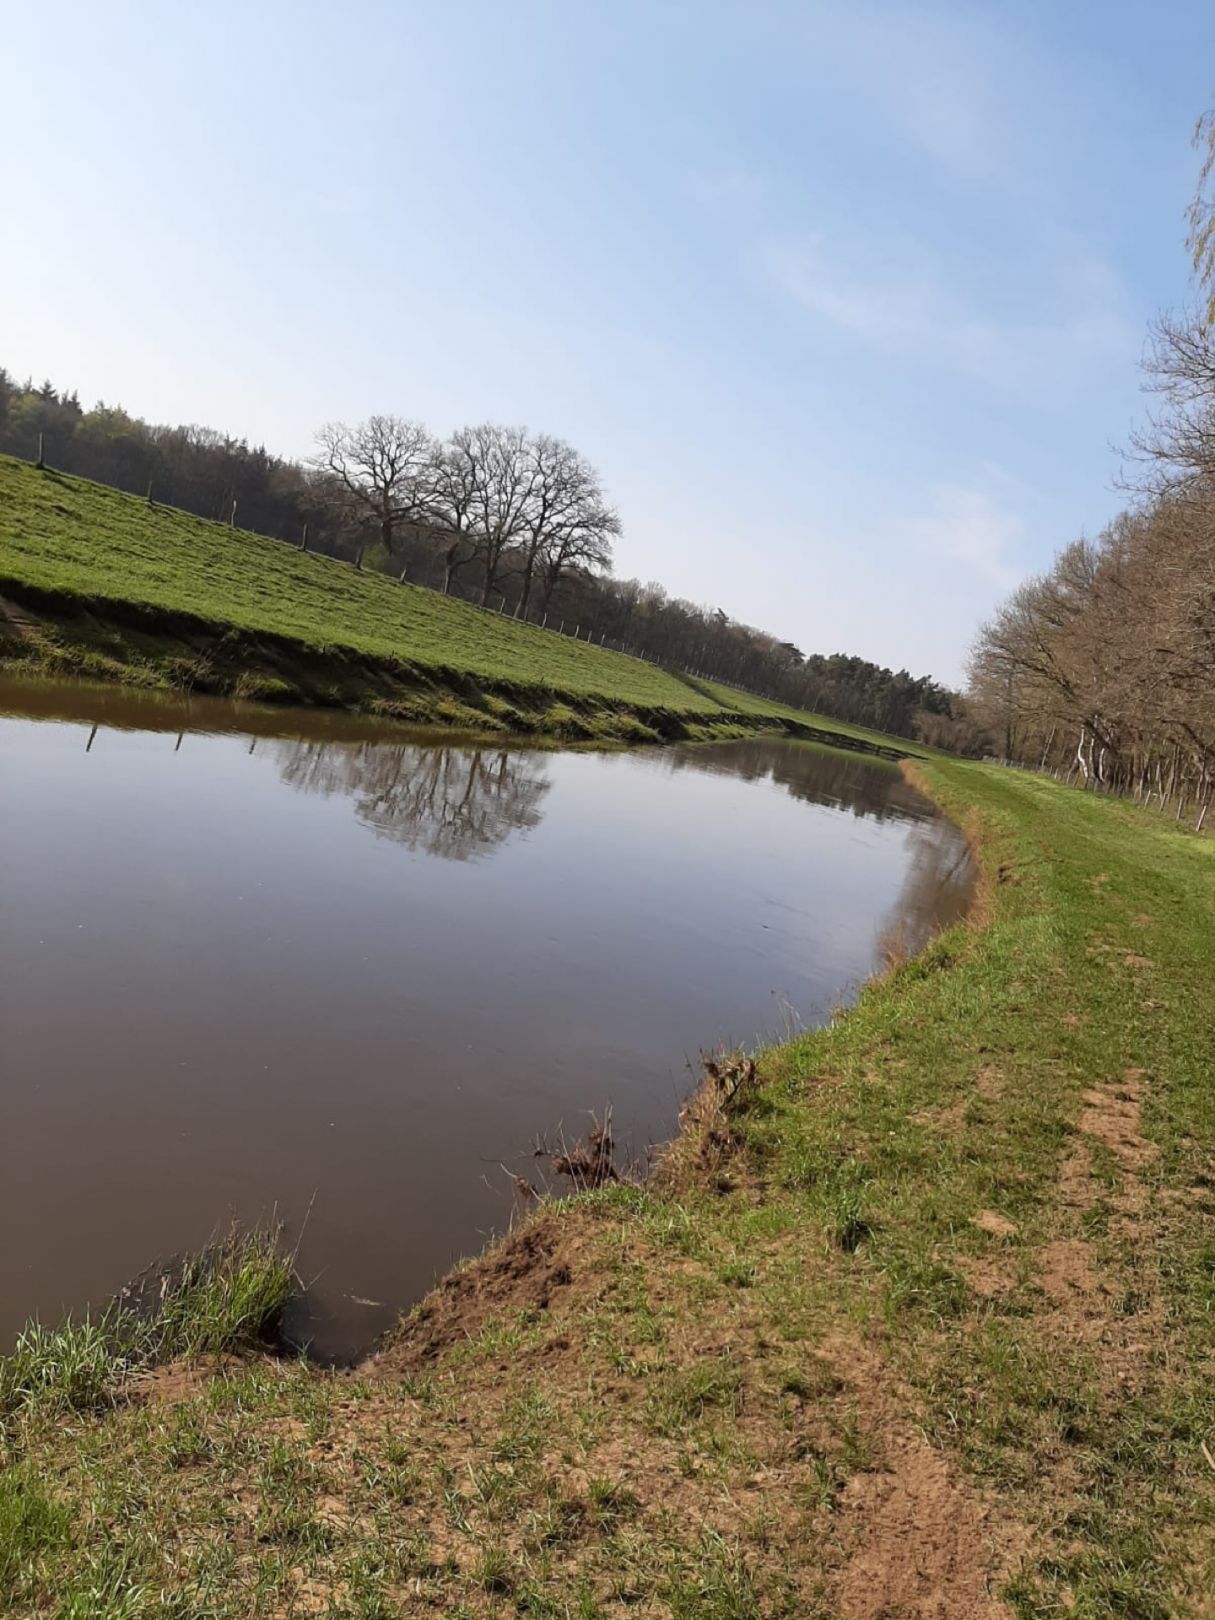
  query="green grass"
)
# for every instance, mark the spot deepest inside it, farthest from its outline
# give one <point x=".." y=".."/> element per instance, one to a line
<point x="748" y="703"/>
<point x="693" y="1402"/>
<point x="67" y="535"/>
<point x="152" y="579"/>
<point x="966" y="1083"/>
<point x="228" y="1298"/>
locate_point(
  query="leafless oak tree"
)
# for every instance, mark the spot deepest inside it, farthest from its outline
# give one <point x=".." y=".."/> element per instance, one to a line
<point x="383" y="469"/>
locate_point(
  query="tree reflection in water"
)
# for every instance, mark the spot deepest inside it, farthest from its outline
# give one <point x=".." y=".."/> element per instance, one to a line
<point x="938" y="888"/>
<point x="861" y="783"/>
<point x="462" y="802"/>
<point x="937" y="891"/>
<point x="454" y="802"/>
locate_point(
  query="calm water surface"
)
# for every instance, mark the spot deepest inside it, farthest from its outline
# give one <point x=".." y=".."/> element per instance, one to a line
<point x="252" y="962"/>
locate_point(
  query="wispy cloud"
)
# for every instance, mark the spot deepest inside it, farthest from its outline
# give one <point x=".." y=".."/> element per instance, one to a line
<point x="730" y="188"/>
<point x="906" y="308"/>
<point x="971" y="524"/>
<point x="935" y="80"/>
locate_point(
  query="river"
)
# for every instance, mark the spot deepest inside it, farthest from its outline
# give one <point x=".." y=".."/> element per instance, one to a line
<point x="297" y="965"/>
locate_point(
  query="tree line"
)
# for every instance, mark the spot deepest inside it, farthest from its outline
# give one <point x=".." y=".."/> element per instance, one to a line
<point x="1103" y="668"/>
<point x="517" y="521"/>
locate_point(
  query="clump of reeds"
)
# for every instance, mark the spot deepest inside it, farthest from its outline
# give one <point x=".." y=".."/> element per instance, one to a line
<point x="229" y="1297"/>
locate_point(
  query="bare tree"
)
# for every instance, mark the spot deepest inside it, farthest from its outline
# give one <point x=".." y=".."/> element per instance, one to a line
<point x="563" y="485"/>
<point x="1200" y="215"/>
<point x="493" y="464"/>
<point x="582" y="543"/>
<point x="383" y="468"/>
<point x="1105" y="666"/>
<point x="1177" y="447"/>
<point x="455" y="481"/>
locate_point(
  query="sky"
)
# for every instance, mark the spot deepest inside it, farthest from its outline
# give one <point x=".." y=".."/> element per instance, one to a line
<point x="845" y="300"/>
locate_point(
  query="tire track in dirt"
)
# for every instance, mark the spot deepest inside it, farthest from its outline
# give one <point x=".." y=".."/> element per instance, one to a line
<point x="920" y="1541"/>
<point x="1083" y="1293"/>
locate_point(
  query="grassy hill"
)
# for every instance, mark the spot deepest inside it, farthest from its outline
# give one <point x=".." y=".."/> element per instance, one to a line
<point x="100" y="582"/>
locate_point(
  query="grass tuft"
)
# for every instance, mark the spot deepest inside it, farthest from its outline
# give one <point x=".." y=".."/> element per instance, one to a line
<point x="230" y="1297"/>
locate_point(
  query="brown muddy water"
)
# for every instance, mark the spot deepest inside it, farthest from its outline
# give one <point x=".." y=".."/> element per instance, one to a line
<point x="256" y="963"/>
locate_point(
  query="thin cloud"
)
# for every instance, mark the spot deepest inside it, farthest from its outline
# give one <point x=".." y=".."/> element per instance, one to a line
<point x="969" y="524"/>
<point x="934" y="79"/>
<point x="908" y="310"/>
<point x="731" y="189"/>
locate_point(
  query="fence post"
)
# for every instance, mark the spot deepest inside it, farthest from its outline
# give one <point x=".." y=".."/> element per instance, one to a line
<point x="304" y="539"/>
<point x="149" y="492"/>
<point x="41" y="461"/>
<point x="232" y="515"/>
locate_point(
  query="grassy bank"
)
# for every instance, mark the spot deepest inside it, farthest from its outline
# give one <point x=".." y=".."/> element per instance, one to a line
<point x="918" y="1323"/>
<point x="229" y="1298"/>
<point x="99" y="583"/>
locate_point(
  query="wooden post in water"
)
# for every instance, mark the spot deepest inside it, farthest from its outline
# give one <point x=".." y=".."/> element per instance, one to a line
<point x="88" y="745"/>
<point x="177" y="744"/>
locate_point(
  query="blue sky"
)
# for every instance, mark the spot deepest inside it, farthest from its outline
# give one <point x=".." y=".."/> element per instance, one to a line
<point x="845" y="300"/>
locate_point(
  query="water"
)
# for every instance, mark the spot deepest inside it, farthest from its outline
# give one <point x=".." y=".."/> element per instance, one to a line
<point x="256" y="962"/>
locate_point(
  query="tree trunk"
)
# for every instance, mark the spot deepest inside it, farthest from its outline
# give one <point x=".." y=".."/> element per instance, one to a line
<point x="525" y="595"/>
<point x="491" y="574"/>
